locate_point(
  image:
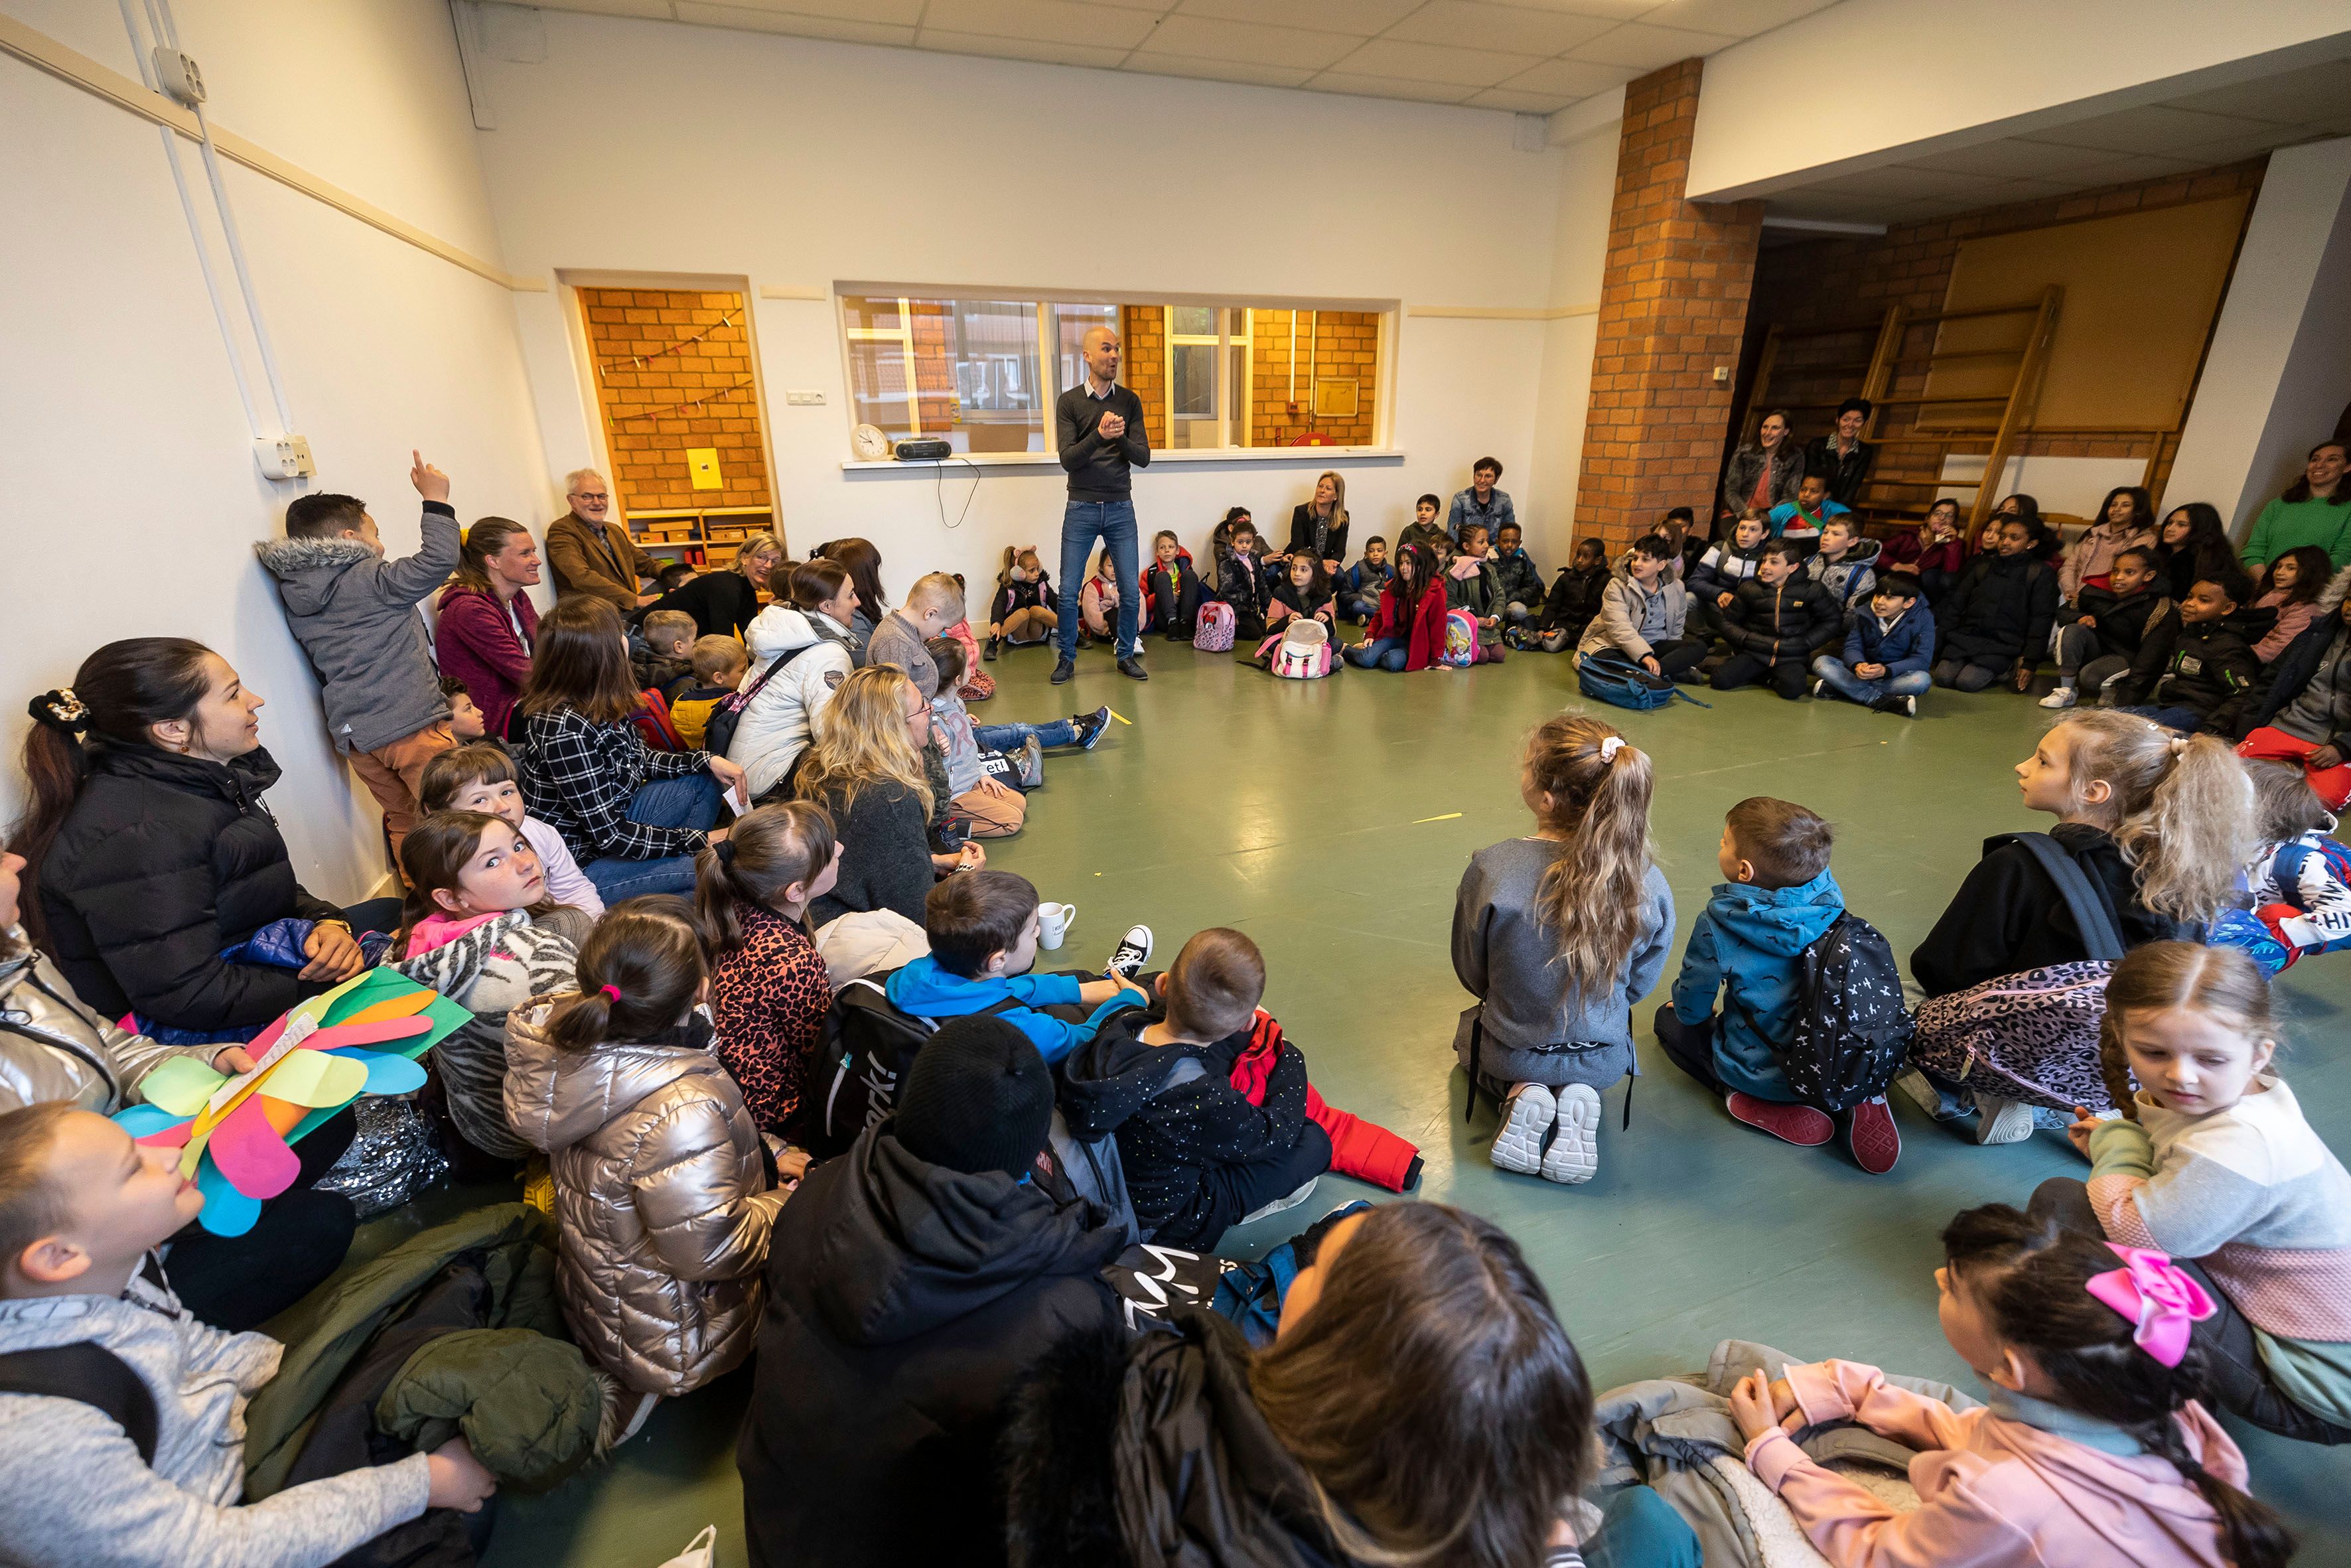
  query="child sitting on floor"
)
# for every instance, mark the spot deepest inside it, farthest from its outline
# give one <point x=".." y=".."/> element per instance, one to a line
<point x="1887" y="648"/>
<point x="1303" y="589"/>
<point x="1520" y="582"/>
<point x="1199" y="1156"/>
<point x="1575" y="597"/>
<point x="1847" y="565"/>
<point x="2094" y="1451"/>
<point x="902" y="636"/>
<point x="1428" y="525"/>
<point x="481" y="777"/>
<point x="1242" y="583"/>
<point x="83" y="1480"/>
<point x="1472" y="584"/>
<point x="2300" y="878"/>
<point x="983" y="785"/>
<point x="1644" y="613"/>
<point x="1774" y="622"/>
<point x="1557" y="935"/>
<point x="1172" y="591"/>
<point x="1726" y="564"/>
<point x="2100" y="634"/>
<point x="719" y="665"/>
<point x="2185" y="681"/>
<point x="466" y="725"/>
<point x="1408" y="632"/>
<point x="1098" y="601"/>
<point x="1012" y="752"/>
<point x="1360" y="584"/>
<point x="1777" y="897"/>
<point x="769" y="993"/>
<point x="1025" y="607"/>
<point x="668" y="658"/>
<point x="984" y="931"/>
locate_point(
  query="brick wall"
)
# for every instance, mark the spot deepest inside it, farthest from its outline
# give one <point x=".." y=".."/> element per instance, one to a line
<point x="936" y="404"/>
<point x="1142" y="367"/>
<point x="1331" y="343"/>
<point x="1672" y="305"/>
<point x="640" y="389"/>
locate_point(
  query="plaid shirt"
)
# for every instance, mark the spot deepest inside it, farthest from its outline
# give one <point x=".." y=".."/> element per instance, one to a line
<point x="577" y="777"/>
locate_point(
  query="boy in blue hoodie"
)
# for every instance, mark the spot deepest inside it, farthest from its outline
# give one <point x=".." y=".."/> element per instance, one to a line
<point x="1776" y="900"/>
<point x="1887" y="648"/>
<point x="984" y="930"/>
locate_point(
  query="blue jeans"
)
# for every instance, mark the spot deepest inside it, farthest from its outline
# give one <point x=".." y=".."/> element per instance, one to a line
<point x="1111" y="522"/>
<point x="1013" y="736"/>
<point x="1387" y="654"/>
<point x="2186" y="720"/>
<point x="688" y="802"/>
<point x="1640" y="1530"/>
<point x="1846" y="684"/>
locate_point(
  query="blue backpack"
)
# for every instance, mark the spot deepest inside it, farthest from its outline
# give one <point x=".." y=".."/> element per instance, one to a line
<point x="1610" y="677"/>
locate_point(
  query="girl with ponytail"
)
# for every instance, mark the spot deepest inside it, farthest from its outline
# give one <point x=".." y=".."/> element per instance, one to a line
<point x="2093" y="1452"/>
<point x="663" y="1195"/>
<point x="768" y="985"/>
<point x="1557" y="935"/>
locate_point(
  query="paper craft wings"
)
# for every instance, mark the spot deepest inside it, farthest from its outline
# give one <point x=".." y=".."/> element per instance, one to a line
<point x="236" y="1134"/>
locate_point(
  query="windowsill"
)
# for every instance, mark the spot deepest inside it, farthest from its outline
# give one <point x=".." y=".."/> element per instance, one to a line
<point x="1276" y="455"/>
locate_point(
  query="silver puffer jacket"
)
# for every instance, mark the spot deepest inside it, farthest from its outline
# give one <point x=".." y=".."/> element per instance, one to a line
<point x="660" y="1192"/>
<point x="55" y="1047"/>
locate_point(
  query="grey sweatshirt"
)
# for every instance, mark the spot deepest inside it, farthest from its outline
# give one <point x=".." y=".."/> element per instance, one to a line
<point x="1505" y="956"/>
<point x="73" y="1490"/>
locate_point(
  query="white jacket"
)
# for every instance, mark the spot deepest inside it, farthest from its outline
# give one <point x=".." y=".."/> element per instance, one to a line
<point x="774" y="730"/>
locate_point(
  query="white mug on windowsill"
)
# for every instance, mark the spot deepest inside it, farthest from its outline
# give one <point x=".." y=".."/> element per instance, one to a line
<point x="1053" y="924"/>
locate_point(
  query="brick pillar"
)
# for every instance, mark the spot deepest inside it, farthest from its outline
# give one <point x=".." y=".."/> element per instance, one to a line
<point x="1672" y="305"/>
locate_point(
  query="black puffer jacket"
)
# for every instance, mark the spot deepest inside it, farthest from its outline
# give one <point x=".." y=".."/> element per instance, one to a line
<point x="2007" y="917"/>
<point x="904" y="1301"/>
<point x="1783" y="623"/>
<point x="163" y="862"/>
<point x="1999" y="609"/>
<point x="1150" y="1452"/>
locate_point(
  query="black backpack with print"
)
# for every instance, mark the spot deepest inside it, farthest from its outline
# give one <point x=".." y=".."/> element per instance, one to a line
<point x="1852" y="1028"/>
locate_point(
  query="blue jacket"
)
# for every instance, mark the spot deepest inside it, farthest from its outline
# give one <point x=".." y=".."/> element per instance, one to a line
<point x="1906" y="649"/>
<point x="1748" y="938"/>
<point x="924" y="989"/>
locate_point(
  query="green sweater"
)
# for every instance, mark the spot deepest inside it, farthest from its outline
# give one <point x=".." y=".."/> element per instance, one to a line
<point x="2286" y="525"/>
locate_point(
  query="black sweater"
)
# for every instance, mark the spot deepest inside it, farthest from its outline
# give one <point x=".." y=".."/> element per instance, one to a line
<point x="723" y="603"/>
<point x="2007" y="916"/>
<point x="1301" y="534"/>
<point x="1098" y="469"/>
<point x="885" y="861"/>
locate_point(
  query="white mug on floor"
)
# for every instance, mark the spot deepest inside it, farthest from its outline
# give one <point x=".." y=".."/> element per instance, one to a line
<point x="1053" y="922"/>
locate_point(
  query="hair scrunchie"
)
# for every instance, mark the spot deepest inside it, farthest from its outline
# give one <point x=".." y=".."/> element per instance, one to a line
<point x="725" y="849"/>
<point x="612" y="993"/>
<point x="2178" y="745"/>
<point x="1611" y="746"/>
<point x="61" y="710"/>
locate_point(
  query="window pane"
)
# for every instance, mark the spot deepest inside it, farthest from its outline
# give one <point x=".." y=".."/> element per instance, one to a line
<point x="870" y="315"/>
<point x="878" y="393"/>
<point x="1072" y="323"/>
<point x="1195" y="320"/>
<point x="1192" y="376"/>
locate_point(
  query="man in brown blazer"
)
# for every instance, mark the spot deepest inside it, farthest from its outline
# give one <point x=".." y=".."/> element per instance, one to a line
<point x="592" y="552"/>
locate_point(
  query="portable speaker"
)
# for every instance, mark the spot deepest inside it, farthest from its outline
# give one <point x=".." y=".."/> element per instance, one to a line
<point x="924" y="451"/>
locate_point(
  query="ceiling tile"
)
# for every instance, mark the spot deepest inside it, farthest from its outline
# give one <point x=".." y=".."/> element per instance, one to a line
<point x="1363" y="18"/>
<point x="1644" y="47"/>
<point x="1417" y="88"/>
<point x="2308" y="96"/>
<point x="798" y="26"/>
<point x="2152" y="128"/>
<point x="1615" y="10"/>
<point x="1520" y="102"/>
<point x="1740" y="18"/>
<point x="1217" y="70"/>
<point x="1048" y="21"/>
<point x="1433" y="63"/>
<point x="895" y="13"/>
<point x="1049" y="51"/>
<point x="1570" y="78"/>
<point x="658" y="10"/>
<point x="1211" y="39"/>
<point x="1476" y="24"/>
<point x="2010" y="158"/>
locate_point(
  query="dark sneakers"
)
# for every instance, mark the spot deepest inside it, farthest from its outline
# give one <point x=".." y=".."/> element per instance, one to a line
<point x="1089" y="725"/>
<point x="1132" y="667"/>
<point x="1870" y="1134"/>
<point x="1132" y="952"/>
<point x="995" y="646"/>
<point x="1064" y="670"/>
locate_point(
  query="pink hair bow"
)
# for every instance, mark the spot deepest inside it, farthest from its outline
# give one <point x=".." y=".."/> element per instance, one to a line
<point x="2158" y="1295"/>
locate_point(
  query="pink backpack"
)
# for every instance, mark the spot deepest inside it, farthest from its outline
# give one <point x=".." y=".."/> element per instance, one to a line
<point x="1460" y="640"/>
<point x="1214" y="634"/>
<point x="1299" y="651"/>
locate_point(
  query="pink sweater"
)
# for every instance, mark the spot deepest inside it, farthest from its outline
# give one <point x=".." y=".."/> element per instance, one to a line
<point x="1992" y="1492"/>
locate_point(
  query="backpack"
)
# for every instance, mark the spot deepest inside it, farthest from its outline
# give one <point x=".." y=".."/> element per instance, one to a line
<point x="1852" y="1030"/>
<point x="1214" y="632"/>
<point x="1460" y="649"/>
<point x="652" y="721"/>
<point x="2032" y="1036"/>
<point x="92" y="1374"/>
<point x="718" y="732"/>
<point x="871" y="1043"/>
<point x="1093" y="1171"/>
<point x="1610" y="677"/>
<point x="1302" y="652"/>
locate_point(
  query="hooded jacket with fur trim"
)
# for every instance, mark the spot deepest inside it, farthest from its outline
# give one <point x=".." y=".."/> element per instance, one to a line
<point x="774" y="729"/>
<point x="354" y="613"/>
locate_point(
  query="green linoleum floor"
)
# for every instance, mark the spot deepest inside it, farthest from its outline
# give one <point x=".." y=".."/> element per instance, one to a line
<point x="1331" y="820"/>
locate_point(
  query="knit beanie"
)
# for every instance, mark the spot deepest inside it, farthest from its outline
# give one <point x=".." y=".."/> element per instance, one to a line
<point x="979" y="1098"/>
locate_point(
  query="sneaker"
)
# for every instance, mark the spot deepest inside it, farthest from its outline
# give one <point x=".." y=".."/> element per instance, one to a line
<point x="2064" y="697"/>
<point x="1819" y="686"/>
<point x="2001" y="1121"/>
<point x="1574" y="1154"/>
<point x="1798" y="1125"/>
<point x="1872" y="1137"/>
<point x="1064" y="670"/>
<point x="995" y="646"/>
<point x="1132" y="952"/>
<point x="1920" y="1090"/>
<point x="1909" y="707"/>
<point x="1089" y="725"/>
<point x="1527" y="1115"/>
<point x="1288" y="1200"/>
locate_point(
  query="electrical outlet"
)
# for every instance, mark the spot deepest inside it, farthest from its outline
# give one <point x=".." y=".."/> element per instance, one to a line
<point x="177" y="75"/>
<point x="1721" y="374"/>
<point x="284" y="456"/>
<point x="804" y="399"/>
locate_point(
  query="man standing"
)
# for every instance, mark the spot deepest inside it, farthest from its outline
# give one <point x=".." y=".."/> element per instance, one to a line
<point x="1843" y="457"/>
<point x="1098" y="428"/>
<point x="1481" y="503"/>
<point x="592" y="553"/>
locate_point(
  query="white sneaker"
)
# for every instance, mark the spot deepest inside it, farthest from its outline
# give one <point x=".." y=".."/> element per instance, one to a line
<point x="2001" y="1121"/>
<point x="1278" y="1204"/>
<point x="1910" y="707"/>
<point x="1575" y="1156"/>
<point x="1817" y="685"/>
<point x="1527" y="1115"/>
<point x="2064" y="697"/>
<point x="1132" y="952"/>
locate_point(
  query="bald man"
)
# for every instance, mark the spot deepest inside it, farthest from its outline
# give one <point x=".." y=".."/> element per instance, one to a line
<point x="1098" y="427"/>
<point x="590" y="550"/>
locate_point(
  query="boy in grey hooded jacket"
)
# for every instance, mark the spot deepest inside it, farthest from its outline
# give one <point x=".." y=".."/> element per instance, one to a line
<point x="354" y="613"/>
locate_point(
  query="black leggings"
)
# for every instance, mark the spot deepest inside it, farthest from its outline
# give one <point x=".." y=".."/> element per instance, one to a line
<point x="239" y="1282"/>
<point x="1972" y="674"/>
<point x="2238" y="1379"/>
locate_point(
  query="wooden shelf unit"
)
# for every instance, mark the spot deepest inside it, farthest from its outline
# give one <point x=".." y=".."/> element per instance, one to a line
<point x="694" y="534"/>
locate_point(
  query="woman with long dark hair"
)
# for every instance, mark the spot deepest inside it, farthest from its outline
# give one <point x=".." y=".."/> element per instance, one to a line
<point x="487" y="621"/>
<point x="2125" y="518"/>
<point x="725" y="603"/>
<point x="634" y="817"/>
<point x="863" y="563"/>
<point x="2315" y="509"/>
<point x="2194" y="547"/>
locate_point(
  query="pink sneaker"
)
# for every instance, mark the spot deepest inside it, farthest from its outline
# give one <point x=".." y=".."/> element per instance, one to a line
<point x="1799" y="1124"/>
<point x="1871" y="1134"/>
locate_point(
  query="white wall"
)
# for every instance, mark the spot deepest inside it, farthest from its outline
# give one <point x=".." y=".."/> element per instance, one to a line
<point x="134" y="499"/>
<point x="1919" y="75"/>
<point x="1587" y="188"/>
<point x="648" y="148"/>
<point x="2278" y="374"/>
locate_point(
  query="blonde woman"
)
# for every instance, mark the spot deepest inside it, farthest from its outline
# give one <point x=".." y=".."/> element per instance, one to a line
<point x="865" y="766"/>
<point x="1557" y="935"/>
<point x="725" y="603"/>
<point x="1319" y="526"/>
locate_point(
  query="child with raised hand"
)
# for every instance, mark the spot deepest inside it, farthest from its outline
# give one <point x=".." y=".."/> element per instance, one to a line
<point x="481" y="777"/>
<point x="2094" y="1451"/>
<point x="661" y="1188"/>
<point x="81" y="1209"/>
<point x="767" y="986"/>
<point x="2212" y="1160"/>
<point x="1557" y="935"/>
<point x="1024" y="609"/>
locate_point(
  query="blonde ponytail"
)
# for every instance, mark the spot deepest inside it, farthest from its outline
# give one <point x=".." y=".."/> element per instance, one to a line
<point x="2180" y="811"/>
<point x="1591" y="898"/>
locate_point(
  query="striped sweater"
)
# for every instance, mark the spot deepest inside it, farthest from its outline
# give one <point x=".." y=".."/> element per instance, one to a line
<point x="491" y="968"/>
<point x="2252" y="1193"/>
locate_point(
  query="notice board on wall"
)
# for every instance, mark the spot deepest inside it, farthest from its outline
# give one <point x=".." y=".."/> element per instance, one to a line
<point x="2142" y="290"/>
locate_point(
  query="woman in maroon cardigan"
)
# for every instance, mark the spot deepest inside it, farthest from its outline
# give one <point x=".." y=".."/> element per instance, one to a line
<point x="1408" y="632"/>
<point x="488" y="622"/>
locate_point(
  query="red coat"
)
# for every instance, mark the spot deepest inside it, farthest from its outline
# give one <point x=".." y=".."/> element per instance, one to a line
<point x="1365" y="1150"/>
<point x="475" y="640"/>
<point x="1425" y="639"/>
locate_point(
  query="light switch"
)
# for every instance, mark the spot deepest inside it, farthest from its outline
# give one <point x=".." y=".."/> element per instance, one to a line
<point x="804" y="399"/>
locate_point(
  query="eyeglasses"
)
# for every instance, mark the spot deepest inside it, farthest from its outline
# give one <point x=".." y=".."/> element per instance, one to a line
<point x="599" y="495"/>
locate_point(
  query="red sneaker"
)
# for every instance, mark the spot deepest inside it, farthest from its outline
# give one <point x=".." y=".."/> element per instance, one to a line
<point x="1871" y="1134"/>
<point x="1799" y="1124"/>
